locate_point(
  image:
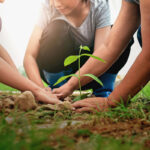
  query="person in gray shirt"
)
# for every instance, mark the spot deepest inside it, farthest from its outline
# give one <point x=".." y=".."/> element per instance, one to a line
<point x="62" y="26"/>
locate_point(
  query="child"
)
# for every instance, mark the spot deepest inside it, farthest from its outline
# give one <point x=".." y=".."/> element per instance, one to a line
<point x="62" y="27"/>
<point x="10" y="76"/>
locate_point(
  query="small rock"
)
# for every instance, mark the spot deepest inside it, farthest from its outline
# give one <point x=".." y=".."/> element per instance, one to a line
<point x="9" y="120"/>
<point x="68" y="99"/>
<point x="65" y="105"/>
<point x="26" y="101"/>
<point x="48" y="107"/>
<point x="7" y="111"/>
<point x="8" y="103"/>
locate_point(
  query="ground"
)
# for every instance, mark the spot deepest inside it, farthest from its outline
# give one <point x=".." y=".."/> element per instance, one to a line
<point x="45" y="127"/>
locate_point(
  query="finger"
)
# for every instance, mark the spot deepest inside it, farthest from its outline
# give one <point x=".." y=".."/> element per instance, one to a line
<point x="80" y="104"/>
<point x="55" y="91"/>
<point x="47" y="89"/>
<point x="59" y="95"/>
<point x="85" y="109"/>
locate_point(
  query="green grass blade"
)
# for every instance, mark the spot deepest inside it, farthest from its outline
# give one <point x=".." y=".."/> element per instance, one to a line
<point x="71" y="59"/>
<point x="64" y="78"/>
<point x="90" y="55"/>
<point x="95" y="78"/>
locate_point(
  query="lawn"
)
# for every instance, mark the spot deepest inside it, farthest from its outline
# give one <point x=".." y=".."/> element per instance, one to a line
<point x="124" y="127"/>
<point x="4" y="87"/>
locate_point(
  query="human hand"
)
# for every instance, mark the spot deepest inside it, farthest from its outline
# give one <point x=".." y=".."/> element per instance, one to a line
<point x="92" y="104"/>
<point x="48" y="89"/>
<point x="63" y="91"/>
<point x="46" y="97"/>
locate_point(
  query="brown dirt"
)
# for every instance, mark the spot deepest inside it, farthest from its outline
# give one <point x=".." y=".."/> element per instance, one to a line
<point x="26" y="101"/>
<point x="105" y="126"/>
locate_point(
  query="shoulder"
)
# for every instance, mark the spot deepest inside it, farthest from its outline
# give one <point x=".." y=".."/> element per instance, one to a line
<point x="98" y="4"/>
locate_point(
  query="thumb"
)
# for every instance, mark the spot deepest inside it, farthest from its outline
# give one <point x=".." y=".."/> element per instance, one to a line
<point x="60" y="96"/>
<point x="55" y="91"/>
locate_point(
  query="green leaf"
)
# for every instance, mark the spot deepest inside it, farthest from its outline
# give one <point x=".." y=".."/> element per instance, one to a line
<point x="86" y="48"/>
<point x="70" y="59"/>
<point x="90" y="55"/>
<point x="64" y="78"/>
<point x="94" y="77"/>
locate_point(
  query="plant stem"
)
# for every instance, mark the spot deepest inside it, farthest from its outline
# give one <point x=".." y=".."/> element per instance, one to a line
<point x="79" y="71"/>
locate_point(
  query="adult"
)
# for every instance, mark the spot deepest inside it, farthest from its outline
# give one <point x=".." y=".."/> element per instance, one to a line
<point x="132" y="14"/>
<point x="62" y="27"/>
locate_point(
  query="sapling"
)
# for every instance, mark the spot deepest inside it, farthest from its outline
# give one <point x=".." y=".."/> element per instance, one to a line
<point x="71" y="59"/>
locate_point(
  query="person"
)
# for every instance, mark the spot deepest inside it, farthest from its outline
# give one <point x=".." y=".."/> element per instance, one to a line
<point x="62" y="27"/>
<point x="11" y="76"/>
<point x="132" y="14"/>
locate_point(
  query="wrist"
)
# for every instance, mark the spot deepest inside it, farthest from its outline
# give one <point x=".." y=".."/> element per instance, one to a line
<point x="36" y="91"/>
<point x="111" y="102"/>
<point x="73" y="84"/>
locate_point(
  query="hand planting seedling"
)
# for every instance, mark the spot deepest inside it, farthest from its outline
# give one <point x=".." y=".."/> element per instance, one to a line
<point x="71" y="59"/>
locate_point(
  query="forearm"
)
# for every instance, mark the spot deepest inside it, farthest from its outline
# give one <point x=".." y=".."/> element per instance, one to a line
<point x="32" y="70"/>
<point x="134" y="81"/>
<point x="114" y="46"/>
<point x="4" y="55"/>
<point x="139" y="74"/>
<point x="12" y="78"/>
<point x="93" y="66"/>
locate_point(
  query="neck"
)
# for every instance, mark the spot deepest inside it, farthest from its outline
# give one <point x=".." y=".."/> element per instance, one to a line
<point x="78" y="10"/>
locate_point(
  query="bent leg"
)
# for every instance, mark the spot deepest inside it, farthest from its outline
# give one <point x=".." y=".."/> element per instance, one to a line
<point x="55" y="45"/>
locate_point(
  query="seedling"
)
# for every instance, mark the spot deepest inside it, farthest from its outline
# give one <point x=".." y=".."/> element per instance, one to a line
<point x="71" y="59"/>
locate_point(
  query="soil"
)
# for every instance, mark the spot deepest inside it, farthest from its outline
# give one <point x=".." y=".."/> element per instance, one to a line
<point x="139" y="128"/>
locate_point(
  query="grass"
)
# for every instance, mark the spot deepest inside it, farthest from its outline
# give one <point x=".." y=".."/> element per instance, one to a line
<point x="4" y="87"/>
<point x="124" y="127"/>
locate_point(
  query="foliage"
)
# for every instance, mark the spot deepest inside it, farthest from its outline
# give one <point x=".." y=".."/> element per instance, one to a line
<point x="71" y="59"/>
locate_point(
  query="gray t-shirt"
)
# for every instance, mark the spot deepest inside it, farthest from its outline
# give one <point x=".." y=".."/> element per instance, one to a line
<point x="135" y="1"/>
<point x="98" y="17"/>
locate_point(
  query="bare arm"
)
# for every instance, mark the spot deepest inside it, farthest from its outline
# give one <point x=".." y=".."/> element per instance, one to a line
<point x="116" y="42"/>
<point x="100" y="37"/>
<point x="4" y="55"/>
<point x="12" y="78"/>
<point x="30" y="63"/>
<point x="139" y="74"/>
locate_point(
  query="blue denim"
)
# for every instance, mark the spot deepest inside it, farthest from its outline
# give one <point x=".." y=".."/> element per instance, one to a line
<point x="52" y="78"/>
<point x="107" y="79"/>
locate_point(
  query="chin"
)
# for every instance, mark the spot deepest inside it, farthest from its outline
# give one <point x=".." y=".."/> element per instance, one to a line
<point x="65" y="13"/>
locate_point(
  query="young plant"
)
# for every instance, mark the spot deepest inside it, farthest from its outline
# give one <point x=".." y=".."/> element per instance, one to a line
<point x="71" y="59"/>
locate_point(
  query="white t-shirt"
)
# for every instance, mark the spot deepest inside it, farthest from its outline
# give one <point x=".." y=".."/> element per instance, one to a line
<point x="98" y="17"/>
